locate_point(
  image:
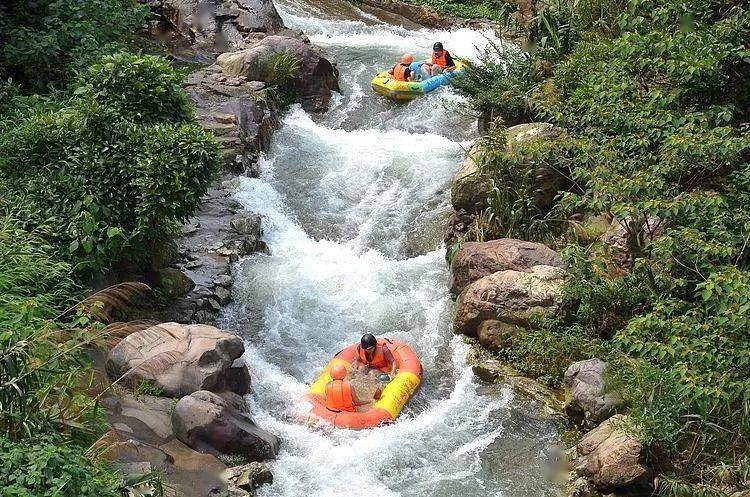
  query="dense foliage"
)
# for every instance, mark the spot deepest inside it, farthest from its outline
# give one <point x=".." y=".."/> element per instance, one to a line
<point x="106" y="174"/>
<point x="655" y="103"/>
<point x="43" y="42"/>
<point x="51" y="467"/>
<point x="100" y="158"/>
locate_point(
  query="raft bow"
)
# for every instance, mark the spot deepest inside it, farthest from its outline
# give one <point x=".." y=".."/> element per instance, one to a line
<point x="392" y="399"/>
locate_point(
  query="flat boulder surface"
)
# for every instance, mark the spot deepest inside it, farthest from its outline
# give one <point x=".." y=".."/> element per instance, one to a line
<point x="221" y="424"/>
<point x="511" y="297"/>
<point x="181" y="359"/>
<point x="475" y="260"/>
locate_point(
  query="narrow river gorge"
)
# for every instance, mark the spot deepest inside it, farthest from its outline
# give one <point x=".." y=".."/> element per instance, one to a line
<point x="354" y="203"/>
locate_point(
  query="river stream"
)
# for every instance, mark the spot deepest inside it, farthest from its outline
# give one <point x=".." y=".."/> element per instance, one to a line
<point x="354" y="203"/>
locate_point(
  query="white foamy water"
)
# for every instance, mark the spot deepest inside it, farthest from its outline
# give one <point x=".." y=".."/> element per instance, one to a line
<point x="354" y="203"/>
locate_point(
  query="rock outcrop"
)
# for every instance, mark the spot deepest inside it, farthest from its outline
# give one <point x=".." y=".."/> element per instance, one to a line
<point x="613" y="459"/>
<point x="475" y="260"/>
<point x="524" y="133"/>
<point x="511" y="297"/>
<point x="141" y="441"/>
<point x="181" y="359"/>
<point x="590" y="402"/>
<point x="221" y="425"/>
<point x="468" y="189"/>
<point x="494" y="334"/>
<point x="313" y="80"/>
<point x="218" y="25"/>
<point x="487" y="367"/>
<point x="226" y="106"/>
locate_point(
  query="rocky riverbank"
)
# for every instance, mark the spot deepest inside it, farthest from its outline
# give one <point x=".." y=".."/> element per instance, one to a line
<point x="177" y="404"/>
<point x="501" y="286"/>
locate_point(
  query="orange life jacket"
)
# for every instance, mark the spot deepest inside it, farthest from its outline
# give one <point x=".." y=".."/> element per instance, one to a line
<point x="378" y="360"/>
<point x="442" y="60"/>
<point x="399" y="72"/>
<point x="339" y="396"/>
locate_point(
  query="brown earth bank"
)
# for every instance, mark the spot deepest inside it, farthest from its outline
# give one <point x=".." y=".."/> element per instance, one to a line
<point x="176" y="402"/>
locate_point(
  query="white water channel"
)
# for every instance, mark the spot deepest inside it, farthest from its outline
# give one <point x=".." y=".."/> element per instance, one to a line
<point x="354" y="203"/>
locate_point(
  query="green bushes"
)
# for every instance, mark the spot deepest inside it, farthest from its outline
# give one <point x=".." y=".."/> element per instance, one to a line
<point x="656" y="108"/>
<point x="138" y="89"/>
<point x="105" y="175"/>
<point x="96" y="168"/>
<point x="42" y="43"/>
<point x="50" y="466"/>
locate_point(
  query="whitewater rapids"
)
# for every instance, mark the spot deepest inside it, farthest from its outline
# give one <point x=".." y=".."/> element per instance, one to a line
<point x="354" y="203"/>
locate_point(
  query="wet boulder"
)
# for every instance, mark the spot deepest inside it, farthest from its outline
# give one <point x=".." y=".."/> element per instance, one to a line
<point x="512" y="297"/>
<point x="475" y="260"/>
<point x="468" y="188"/>
<point x="590" y="401"/>
<point x="246" y="223"/>
<point x="219" y="25"/>
<point x="181" y="359"/>
<point x="311" y="78"/>
<point x="221" y="425"/>
<point x="248" y="477"/>
<point x="459" y="224"/>
<point x="613" y="459"/>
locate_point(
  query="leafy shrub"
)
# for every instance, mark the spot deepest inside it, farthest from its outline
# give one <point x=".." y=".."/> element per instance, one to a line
<point x="546" y="351"/>
<point x="49" y="466"/>
<point x="101" y="177"/>
<point x="656" y="110"/>
<point x="500" y="88"/>
<point x="140" y="89"/>
<point x="43" y="42"/>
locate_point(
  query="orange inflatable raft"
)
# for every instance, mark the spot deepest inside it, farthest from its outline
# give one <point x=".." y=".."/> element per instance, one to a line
<point x="392" y="400"/>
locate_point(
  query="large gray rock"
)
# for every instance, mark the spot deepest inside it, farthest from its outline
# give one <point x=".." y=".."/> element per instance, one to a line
<point x="181" y="359"/>
<point x="246" y="223"/>
<point x="468" y="189"/>
<point x="221" y="424"/>
<point x="243" y="125"/>
<point x="475" y="260"/>
<point x="313" y="81"/>
<point x="219" y="25"/>
<point x="512" y="297"/>
<point x="590" y="402"/>
<point x="613" y="459"/>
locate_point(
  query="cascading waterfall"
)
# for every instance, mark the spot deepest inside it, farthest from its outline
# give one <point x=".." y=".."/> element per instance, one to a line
<point x="354" y="203"/>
